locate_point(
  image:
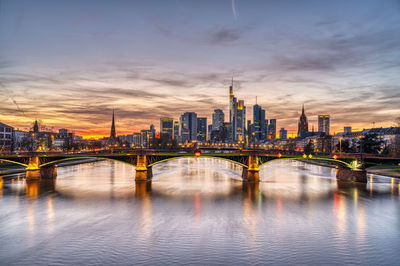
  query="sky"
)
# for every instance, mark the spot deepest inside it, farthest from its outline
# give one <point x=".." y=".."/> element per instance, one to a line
<point x="70" y="63"/>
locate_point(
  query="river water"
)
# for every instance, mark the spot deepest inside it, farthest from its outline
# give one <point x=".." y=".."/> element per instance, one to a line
<point x="198" y="211"/>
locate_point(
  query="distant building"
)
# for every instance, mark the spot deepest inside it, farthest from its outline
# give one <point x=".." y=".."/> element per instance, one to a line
<point x="303" y="124"/>
<point x="210" y="130"/>
<point x="272" y="129"/>
<point x="324" y="123"/>
<point x="283" y="134"/>
<point x="259" y="123"/>
<point x="347" y="130"/>
<point x="218" y="119"/>
<point x="6" y="137"/>
<point x="136" y="140"/>
<point x="166" y="126"/>
<point x="176" y="130"/>
<point x="201" y="128"/>
<point x="237" y="117"/>
<point x="63" y="133"/>
<point x="188" y="127"/>
<point x="386" y="135"/>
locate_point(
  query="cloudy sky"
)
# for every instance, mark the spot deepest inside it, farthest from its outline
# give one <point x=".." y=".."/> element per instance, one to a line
<point x="69" y="63"/>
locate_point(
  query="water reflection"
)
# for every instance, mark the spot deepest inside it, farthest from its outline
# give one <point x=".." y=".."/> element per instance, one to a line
<point x="198" y="208"/>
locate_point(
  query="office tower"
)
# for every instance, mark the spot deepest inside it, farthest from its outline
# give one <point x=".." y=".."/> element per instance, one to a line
<point x="218" y="119"/>
<point x="259" y="123"/>
<point x="303" y="124"/>
<point x="201" y="128"/>
<point x="237" y="116"/>
<point x="324" y="123"/>
<point x="283" y="134"/>
<point x="176" y="130"/>
<point x="166" y="126"/>
<point x="188" y="127"/>
<point x="240" y="122"/>
<point x="272" y="129"/>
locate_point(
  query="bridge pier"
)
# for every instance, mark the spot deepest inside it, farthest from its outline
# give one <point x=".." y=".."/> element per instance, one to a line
<point x="46" y="172"/>
<point x="143" y="172"/>
<point x="349" y="175"/>
<point x="252" y="172"/>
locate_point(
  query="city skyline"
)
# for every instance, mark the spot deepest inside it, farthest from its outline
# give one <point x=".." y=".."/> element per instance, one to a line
<point x="70" y="65"/>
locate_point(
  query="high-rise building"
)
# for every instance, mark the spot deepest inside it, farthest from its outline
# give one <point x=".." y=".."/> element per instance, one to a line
<point x="240" y="122"/>
<point x="323" y="123"/>
<point x="210" y="130"/>
<point x="259" y="123"/>
<point x="237" y="116"/>
<point x="188" y="127"/>
<point x="283" y="134"/>
<point x="218" y="119"/>
<point x="272" y="129"/>
<point x="166" y="126"/>
<point x="176" y="130"/>
<point x="303" y="124"/>
<point x="201" y="128"/>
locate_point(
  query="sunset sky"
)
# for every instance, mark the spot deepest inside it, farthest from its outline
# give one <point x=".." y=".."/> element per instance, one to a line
<point x="69" y="63"/>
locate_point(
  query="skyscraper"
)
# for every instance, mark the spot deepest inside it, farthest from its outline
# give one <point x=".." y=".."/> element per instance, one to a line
<point x="240" y="121"/>
<point x="324" y="123"/>
<point x="259" y="123"/>
<point x="218" y="119"/>
<point x="112" y="133"/>
<point x="272" y="129"/>
<point x="166" y="126"/>
<point x="237" y="116"/>
<point x="176" y="130"/>
<point x="188" y="127"/>
<point x="201" y="128"/>
<point x="303" y="124"/>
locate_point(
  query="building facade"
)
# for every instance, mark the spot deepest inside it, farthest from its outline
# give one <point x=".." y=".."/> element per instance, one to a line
<point x="6" y="137"/>
<point x="166" y="126"/>
<point x="324" y="124"/>
<point x="201" y="128"/>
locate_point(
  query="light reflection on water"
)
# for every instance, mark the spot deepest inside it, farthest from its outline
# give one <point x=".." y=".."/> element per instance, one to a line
<point x="198" y="211"/>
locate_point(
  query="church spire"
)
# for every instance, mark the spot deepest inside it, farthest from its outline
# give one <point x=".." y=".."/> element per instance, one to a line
<point x="302" y="110"/>
<point x="112" y="134"/>
<point x="36" y="127"/>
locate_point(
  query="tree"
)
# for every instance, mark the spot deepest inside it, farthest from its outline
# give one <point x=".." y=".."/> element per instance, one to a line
<point x="28" y="143"/>
<point x="309" y="148"/>
<point x="370" y="143"/>
<point x="346" y="147"/>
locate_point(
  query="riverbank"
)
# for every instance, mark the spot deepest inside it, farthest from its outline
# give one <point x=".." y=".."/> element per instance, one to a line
<point x="17" y="170"/>
<point x="383" y="170"/>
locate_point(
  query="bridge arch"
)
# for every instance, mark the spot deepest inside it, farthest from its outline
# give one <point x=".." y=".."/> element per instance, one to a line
<point x="14" y="162"/>
<point x="242" y="161"/>
<point x="49" y="163"/>
<point x="336" y="162"/>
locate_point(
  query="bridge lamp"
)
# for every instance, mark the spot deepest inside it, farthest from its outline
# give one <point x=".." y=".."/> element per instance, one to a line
<point x="310" y="156"/>
<point x="335" y="157"/>
<point x="304" y="156"/>
<point x="279" y="155"/>
<point x="197" y="153"/>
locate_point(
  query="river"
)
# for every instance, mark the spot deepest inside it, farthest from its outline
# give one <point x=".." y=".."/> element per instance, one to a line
<point x="198" y="211"/>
